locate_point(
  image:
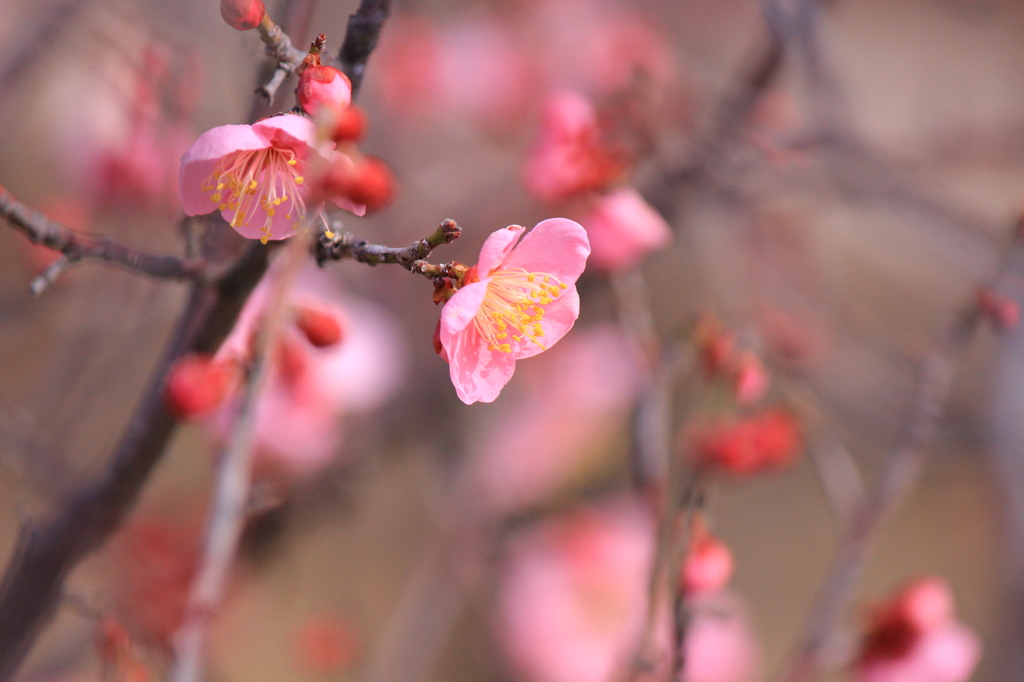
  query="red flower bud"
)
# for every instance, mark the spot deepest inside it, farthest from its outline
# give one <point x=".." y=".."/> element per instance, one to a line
<point x="323" y="87"/>
<point x="371" y="184"/>
<point x="196" y="385"/>
<point x="1002" y="311"/>
<point x="242" y="15"/>
<point x="765" y="442"/>
<point x="321" y="328"/>
<point x="708" y="566"/>
<point x="350" y="126"/>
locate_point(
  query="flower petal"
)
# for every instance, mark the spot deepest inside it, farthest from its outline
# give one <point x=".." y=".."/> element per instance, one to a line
<point x="497" y="247"/>
<point x="478" y="374"/>
<point x="460" y="310"/>
<point x="559" y="317"/>
<point x="294" y="132"/>
<point x="201" y="158"/>
<point x="557" y="246"/>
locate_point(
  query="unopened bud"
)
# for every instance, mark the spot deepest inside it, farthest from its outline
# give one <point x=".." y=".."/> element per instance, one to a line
<point x="1001" y="311"/>
<point x="321" y="328"/>
<point x="371" y="184"/>
<point x="350" y="126"/>
<point x="242" y="15"/>
<point x="926" y="603"/>
<point x="708" y="567"/>
<point x="323" y="87"/>
<point x="196" y="385"/>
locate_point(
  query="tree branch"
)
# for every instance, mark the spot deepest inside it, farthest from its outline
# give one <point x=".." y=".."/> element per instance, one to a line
<point x="361" y="38"/>
<point x="48" y="549"/>
<point x="344" y="245"/>
<point x="76" y="246"/>
<point x="898" y="475"/>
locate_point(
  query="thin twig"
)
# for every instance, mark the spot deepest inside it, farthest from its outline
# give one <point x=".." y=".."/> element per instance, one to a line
<point x="75" y="246"/>
<point x="344" y="245"/>
<point x="897" y="476"/>
<point x="232" y="488"/>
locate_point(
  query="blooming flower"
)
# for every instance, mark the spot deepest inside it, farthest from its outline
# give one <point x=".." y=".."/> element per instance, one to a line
<point x="254" y="174"/>
<point x="518" y="301"/>
<point x="623" y="228"/>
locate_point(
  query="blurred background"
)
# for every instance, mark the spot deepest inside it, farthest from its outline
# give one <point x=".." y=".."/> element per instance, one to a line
<point x="829" y="219"/>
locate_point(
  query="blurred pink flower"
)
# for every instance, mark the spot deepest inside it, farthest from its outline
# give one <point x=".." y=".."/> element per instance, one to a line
<point x="598" y="46"/>
<point x="573" y="601"/>
<point x="569" y="158"/>
<point x="519" y="300"/>
<point x="573" y="597"/>
<point x="721" y="645"/>
<point x="474" y="69"/>
<point x="311" y="387"/>
<point x="255" y="175"/>
<point x="572" y="401"/>
<point x="623" y="228"/>
<point x="914" y="637"/>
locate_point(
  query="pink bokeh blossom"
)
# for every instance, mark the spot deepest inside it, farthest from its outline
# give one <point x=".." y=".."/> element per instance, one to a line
<point x="571" y="403"/>
<point x="569" y="158"/>
<point x="520" y="302"/>
<point x="256" y="175"/>
<point x="914" y="637"/>
<point x="573" y="602"/>
<point x="623" y="228"/>
<point x="309" y="388"/>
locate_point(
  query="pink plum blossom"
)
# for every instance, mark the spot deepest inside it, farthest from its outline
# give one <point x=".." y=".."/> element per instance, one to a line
<point x="311" y="387"/>
<point x="573" y="602"/>
<point x="573" y="599"/>
<point x="569" y="158"/>
<point x="571" y="403"/>
<point x="255" y="174"/>
<point x="915" y="637"/>
<point x="519" y="301"/>
<point x="623" y="228"/>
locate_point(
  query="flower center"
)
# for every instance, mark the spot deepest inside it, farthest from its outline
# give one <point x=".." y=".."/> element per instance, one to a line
<point x="514" y="306"/>
<point x="257" y="181"/>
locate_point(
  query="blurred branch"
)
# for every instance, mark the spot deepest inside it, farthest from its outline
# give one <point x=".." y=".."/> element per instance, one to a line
<point x="75" y="246"/>
<point x="897" y="476"/>
<point x="361" y="38"/>
<point x="48" y="549"/>
<point x="231" y="491"/>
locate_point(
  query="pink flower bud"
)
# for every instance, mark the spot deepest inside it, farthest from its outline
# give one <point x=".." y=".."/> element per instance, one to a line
<point x="323" y="87"/>
<point x="926" y="603"/>
<point x="708" y="567"/>
<point x="321" y="328"/>
<point x="242" y="15"/>
<point x="196" y="385"/>
<point x="326" y="645"/>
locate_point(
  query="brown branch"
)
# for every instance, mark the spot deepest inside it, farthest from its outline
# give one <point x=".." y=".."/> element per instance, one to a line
<point x="232" y="492"/>
<point x="279" y="46"/>
<point x="75" y="246"/>
<point x="344" y="245"/>
<point x="361" y="38"/>
<point x="49" y="548"/>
